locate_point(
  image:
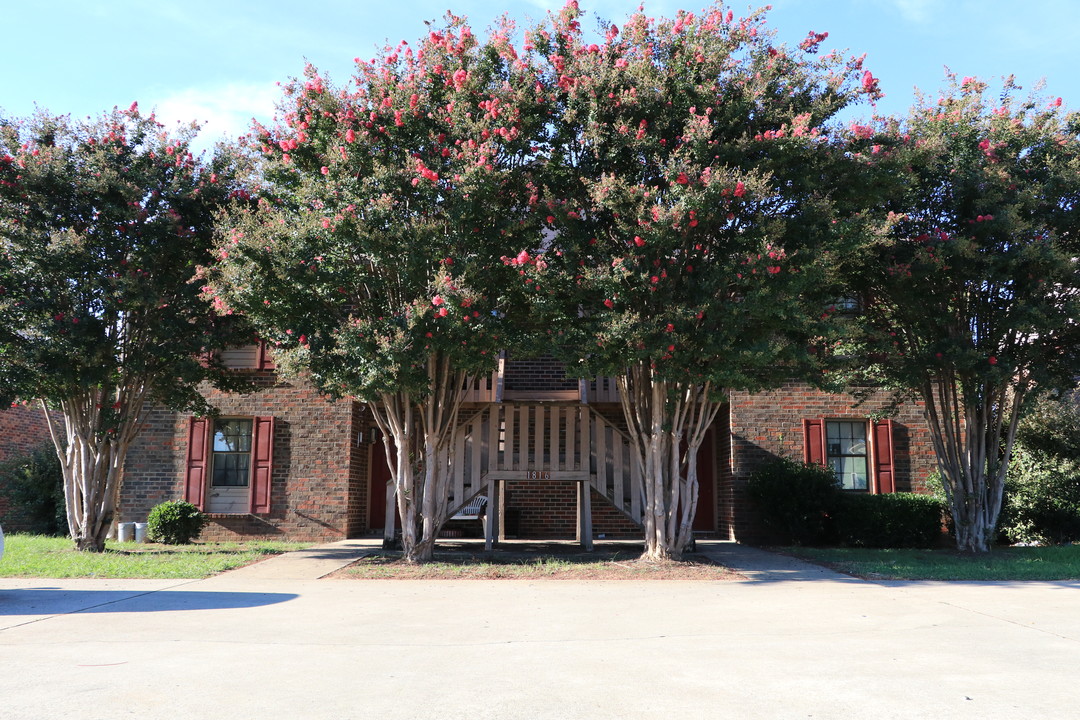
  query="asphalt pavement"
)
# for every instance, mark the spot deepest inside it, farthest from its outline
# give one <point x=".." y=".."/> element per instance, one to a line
<point x="786" y="640"/>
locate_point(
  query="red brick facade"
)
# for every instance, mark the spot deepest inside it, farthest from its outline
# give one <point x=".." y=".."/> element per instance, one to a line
<point x="22" y="430"/>
<point x="322" y="474"/>
<point x="764" y="426"/>
<point x="318" y="479"/>
<point x="543" y="509"/>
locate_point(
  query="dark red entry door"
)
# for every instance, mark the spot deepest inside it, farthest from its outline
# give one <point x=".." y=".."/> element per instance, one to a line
<point x="380" y="476"/>
<point x="705" y="518"/>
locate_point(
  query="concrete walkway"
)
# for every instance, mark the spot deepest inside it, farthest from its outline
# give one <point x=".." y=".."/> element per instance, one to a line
<point x="788" y="641"/>
<point x="311" y="564"/>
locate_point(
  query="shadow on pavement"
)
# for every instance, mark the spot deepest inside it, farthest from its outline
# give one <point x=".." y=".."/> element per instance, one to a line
<point x="62" y="601"/>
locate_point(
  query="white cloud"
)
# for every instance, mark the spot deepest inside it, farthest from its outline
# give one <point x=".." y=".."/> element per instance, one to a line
<point x="224" y="111"/>
<point x="917" y="11"/>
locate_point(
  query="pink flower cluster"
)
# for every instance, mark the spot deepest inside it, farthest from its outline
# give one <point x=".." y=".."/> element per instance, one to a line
<point x="812" y="41"/>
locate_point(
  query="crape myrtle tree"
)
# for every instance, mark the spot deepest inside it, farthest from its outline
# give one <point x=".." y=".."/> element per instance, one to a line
<point x="690" y="183"/>
<point x="372" y="260"/>
<point x="971" y="285"/>
<point x="102" y="225"/>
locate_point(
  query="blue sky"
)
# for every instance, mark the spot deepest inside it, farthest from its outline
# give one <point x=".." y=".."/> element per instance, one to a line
<point x="218" y="61"/>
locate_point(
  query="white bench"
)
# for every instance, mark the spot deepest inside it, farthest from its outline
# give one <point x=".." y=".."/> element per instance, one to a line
<point x="474" y="510"/>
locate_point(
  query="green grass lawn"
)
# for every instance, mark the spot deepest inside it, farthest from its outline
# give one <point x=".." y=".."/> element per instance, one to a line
<point x="50" y="557"/>
<point x="1007" y="563"/>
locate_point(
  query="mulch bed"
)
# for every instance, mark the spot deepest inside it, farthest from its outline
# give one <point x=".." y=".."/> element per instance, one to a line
<point x="535" y="561"/>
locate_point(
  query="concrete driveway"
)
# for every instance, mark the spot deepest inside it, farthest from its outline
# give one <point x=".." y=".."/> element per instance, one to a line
<point x="788" y="641"/>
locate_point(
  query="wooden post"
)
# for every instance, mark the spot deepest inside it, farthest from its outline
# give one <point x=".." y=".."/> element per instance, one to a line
<point x="390" y="524"/>
<point x="585" y="515"/>
<point x="493" y="526"/>
<point x="579" y="530"/>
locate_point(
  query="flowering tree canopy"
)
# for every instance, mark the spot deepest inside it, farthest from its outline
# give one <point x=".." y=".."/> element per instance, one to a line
<point x="372" y="260"/>
<point x="690" y="187"/>
<point x="102" y="225"/>
<point x="971" y="285"/>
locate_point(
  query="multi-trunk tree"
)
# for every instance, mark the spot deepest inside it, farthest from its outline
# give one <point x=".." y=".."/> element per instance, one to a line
<point x="970" y="277"/>
<point x="102" y="226"/>
<point x="372" y="259"/>
<point x="689" y="187"/>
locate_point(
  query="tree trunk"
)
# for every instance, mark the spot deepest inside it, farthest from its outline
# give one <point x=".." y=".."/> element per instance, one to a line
<point x="660" y="415"/>
<point x="972" y="427"/>
<point x="422" y="430"/>
<point x="92" y="444"/>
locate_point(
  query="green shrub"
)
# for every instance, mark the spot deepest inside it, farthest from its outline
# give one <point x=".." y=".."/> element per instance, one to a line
<point x="794" y="500"/>
<point x="1042" y="501"/>
<point x="35" y="489"/>
<point x="1042" y="493"/>
<point x="176" y="522"/>
<point x="896" y="520"/>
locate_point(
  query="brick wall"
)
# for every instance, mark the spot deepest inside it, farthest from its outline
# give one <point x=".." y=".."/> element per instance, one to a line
<point x="726" y="497"/>
<point x="22" y="429"/>
<point x="767" y="425"/>
<point x="547" y="509"/>
<point x="535" y="374"/>
<point x="541" y="509"/>
<point x="318" y="489"/>
<point x="609" y="521"/>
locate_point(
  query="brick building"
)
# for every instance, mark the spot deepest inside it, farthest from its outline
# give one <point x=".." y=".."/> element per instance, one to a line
<point x="550" y="453"/>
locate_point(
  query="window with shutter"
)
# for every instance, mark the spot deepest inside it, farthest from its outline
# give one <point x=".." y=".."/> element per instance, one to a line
<point x="229" y="464"/>
<point x="846" y="453"/>
<point x="855" y="456"/>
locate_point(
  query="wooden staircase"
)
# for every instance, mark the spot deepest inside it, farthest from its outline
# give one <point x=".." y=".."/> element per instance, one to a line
<point x="543" y="441"/>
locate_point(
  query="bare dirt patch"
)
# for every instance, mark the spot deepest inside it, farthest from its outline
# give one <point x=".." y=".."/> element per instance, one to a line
<point x="542" y="561"/>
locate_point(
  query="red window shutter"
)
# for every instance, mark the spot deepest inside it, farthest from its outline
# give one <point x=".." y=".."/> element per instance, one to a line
<point x="262" y="463"/>
<point x="814" y="442"/>
<point x="883" y="456"/>
<point x="195" y="477"/>
<point x="266" y="360"/>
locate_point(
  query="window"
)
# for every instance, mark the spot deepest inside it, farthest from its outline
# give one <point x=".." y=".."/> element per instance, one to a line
<point x="248" y="357"/>
<point x="229" y="464"/>
<point x="845" y="450"/>
<point x="859" y="451"/>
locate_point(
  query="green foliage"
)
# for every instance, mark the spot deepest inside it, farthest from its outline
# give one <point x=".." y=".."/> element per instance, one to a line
<point x="804" y="504"/>
<point x="972" y="275"/>
<point x="1042" y="498"/>
<point x="894" y="520"/>
<point x="687" y="183"/>
<point x="175" y="522"/>
<point x="388" y="206"/>
<point x="794" y="500"/>
<point x="34" y="486"/>
<point x="103" y="225"/>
